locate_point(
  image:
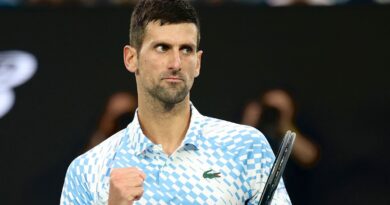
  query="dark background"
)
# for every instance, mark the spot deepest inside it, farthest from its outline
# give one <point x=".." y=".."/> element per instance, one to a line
<point x="335" y="59"/>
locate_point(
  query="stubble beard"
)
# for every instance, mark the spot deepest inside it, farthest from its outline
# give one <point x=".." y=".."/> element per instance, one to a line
<point x="169" y="96"/>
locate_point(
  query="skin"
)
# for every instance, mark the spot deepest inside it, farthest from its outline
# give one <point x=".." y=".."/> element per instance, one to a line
<point x="251" y="114"/>
<point x="165" y="68"/>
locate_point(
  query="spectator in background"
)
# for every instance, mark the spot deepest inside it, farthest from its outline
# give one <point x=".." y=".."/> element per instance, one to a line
<point x="275" y="113"/>
<point x="118" y="113"/>
<point x="278" y="116"/>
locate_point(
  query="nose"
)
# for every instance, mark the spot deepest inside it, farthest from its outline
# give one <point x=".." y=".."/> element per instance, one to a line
<point x="175" y="61"/>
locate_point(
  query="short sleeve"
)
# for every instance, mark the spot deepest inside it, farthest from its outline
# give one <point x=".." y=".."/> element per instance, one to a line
<point x="259" y="169"/>
<point x="75" y="190"/>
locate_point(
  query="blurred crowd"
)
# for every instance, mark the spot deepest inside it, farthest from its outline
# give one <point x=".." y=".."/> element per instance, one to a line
<point x="99" y="3"/>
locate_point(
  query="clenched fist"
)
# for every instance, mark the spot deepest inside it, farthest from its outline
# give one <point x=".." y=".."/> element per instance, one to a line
<point x="126" y="185"/>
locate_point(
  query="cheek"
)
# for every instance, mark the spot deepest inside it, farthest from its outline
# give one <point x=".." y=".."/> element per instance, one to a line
<point x="145" y="72"/>
<point x="149" y="66"/>
<point x="191" y="65"/>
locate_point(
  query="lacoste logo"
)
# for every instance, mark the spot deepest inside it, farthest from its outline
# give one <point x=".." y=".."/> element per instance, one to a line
<point x="210" y="174"/>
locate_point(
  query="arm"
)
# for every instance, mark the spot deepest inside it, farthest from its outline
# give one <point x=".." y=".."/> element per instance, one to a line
<point x="305" y="152"/>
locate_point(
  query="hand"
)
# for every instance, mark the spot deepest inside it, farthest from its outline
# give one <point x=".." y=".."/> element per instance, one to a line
<point x="126" y="185"/>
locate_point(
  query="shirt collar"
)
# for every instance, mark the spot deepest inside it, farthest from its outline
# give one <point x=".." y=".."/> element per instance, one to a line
<point x="137" y="143"/>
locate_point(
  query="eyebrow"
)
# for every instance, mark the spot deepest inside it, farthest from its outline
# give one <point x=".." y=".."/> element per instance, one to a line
<point x="192" y="45"/>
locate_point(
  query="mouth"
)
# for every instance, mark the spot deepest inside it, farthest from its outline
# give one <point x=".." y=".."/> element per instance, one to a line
<point x="173" y="79"/>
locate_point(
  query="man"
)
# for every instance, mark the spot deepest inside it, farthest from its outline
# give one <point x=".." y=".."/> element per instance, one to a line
<point x="170" y="153"/>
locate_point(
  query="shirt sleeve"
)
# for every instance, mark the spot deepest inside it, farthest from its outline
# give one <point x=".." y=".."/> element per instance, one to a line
<point x="263" y="158"/>
<point x="75" y="190"/>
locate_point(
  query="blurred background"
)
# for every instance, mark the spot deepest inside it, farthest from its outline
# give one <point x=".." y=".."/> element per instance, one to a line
<point x="64" y="88"/>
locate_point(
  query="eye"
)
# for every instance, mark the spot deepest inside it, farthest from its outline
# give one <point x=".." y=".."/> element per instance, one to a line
<point x="161" y="48"/>
<point x="187" y="49"/>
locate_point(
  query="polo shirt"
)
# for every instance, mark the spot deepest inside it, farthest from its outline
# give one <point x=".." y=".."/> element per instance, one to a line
<point x="218" y="162"/>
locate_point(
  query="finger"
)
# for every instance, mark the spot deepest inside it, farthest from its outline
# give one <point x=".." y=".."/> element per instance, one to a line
<point x="135" y="181"/>
<point x="139" y="171"/>
<point x="127" y="171"/>
<point x="143" y="175"/>
<point x="132" y="170"/>
<point x="135" y="193"/>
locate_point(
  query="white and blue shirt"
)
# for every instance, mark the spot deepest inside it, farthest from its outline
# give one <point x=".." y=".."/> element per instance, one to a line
<point x="218" y="162"/>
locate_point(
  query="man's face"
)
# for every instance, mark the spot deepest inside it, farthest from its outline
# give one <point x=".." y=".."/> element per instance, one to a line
<point x="168" y="62"/>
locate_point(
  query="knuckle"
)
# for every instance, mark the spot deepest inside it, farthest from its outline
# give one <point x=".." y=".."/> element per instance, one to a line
<point x="139" y="180"/>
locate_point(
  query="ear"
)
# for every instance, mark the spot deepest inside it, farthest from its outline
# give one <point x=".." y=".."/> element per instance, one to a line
<point x="199" y="62"/>
<point x="130" y="58"/>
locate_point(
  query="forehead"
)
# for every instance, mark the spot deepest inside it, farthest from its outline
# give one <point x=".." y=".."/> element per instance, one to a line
<point x="180" y="33"/>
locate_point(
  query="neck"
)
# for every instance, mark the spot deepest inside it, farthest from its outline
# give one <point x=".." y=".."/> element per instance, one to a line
<point x="165" y="124"/>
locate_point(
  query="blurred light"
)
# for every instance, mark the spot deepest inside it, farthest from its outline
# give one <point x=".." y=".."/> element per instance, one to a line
<point x="16" y="67"/>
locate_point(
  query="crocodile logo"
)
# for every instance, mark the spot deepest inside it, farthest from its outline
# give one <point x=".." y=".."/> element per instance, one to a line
<point x="210" y="174"/>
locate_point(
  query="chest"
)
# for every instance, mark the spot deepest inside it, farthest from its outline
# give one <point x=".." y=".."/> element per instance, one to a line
<point x="191" y="177"/>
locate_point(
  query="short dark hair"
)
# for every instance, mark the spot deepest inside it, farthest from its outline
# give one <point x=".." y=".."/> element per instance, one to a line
<point x="164" y="11"/>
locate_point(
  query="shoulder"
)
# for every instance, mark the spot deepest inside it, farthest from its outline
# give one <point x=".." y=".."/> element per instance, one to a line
<point x="107" y="146"/>
<point x="232" y="133"/>
<point x="86" y="174"/>
<point x="95" y="160"/>
<point x="243" y="142"/>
